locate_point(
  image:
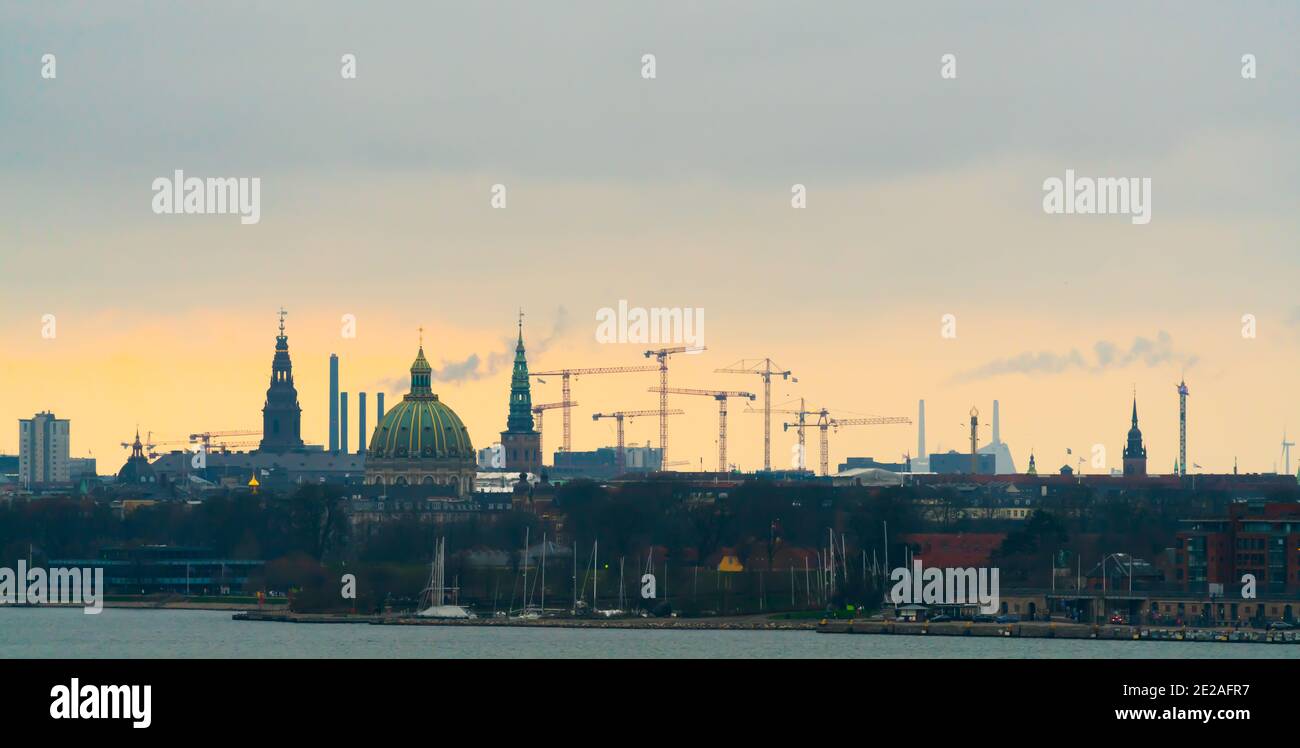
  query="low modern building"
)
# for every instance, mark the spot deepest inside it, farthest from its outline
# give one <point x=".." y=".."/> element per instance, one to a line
<point x="154" y="569"/>
<point x="273" y="469"/>
<point x="603" y="462"/>
<point x="951" y="462"/>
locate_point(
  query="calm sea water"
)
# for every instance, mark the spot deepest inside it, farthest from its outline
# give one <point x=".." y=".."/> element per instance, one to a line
<point x="118" y="632"/>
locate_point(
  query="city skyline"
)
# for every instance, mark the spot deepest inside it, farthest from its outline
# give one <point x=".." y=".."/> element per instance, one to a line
<point x="481" y="394"/>
<point x="924" y="199"/>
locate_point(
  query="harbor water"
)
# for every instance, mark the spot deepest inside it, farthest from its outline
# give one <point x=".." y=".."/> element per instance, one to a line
<point x="135" y="633"/>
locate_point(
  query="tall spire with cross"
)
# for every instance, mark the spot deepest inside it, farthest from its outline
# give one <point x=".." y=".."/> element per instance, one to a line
<point x="1135" y="452"/>
<point x="522" y="444"/>
<point x="281" y="414"/>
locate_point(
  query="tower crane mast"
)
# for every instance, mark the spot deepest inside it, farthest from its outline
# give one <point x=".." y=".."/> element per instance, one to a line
<point x="751" y="366"/>
<point x="719" y="395"/>
<point x="539" y="410"/>
<point x="566" y="374"/>
<point x="662" y="355"/>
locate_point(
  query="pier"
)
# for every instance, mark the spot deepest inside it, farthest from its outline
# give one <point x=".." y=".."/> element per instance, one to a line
<point x="1055" y="630"/>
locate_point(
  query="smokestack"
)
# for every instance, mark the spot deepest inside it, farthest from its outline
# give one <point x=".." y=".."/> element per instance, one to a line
<point x="334" y="402"/>
<point x="379" y="408"/>
<point x="361" y="420"/>
<point x="343" y="422"/>
<point x="997" y="432"/>
<point x="920" y="432"/>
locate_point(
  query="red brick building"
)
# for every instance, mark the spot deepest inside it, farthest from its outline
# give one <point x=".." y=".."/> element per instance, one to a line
<point x="1255" y="538"/>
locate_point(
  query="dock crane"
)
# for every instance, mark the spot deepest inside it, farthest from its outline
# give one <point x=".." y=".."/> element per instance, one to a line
<point x="566" y="403"/>
<point x="620" y="457"/>
<point x="719" y="395"/>
<point x="539" y="410"/>
<point x="751" y="366"/>
<point x="662" y="355"/>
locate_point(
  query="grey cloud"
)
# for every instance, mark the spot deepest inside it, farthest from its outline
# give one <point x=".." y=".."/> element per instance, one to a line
<point x="475" y="367"/>
<point x="1148" y="352"/>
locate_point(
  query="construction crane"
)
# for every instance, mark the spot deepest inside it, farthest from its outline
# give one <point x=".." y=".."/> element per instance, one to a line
<point x="836" y="423"/>
<point x="224" y="447"/>
<point x="147" y="444"/>
<point x="719" y="395"/>
<point x="565" y="403"/>
<point x="205" y="438"/>
<point x="538" y="410"/>
<point x="800" y="426"/>
<point x="620" y="458"/>
<point x="662" y="355"/>
<point x="751" y="366"/>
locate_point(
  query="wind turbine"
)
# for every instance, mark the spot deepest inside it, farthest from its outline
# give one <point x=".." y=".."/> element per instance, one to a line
<point x="1286" y="452"/>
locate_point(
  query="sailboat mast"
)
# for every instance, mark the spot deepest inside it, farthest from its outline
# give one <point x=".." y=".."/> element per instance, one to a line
<point x="526" y="568"/>
<point x="543" y="572"/>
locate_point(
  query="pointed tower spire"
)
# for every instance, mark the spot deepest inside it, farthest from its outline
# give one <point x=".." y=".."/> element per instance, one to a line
<point x="520" y="419"/>
<point x="521" y="444"/>
<point x="421" y="375"/>
<point x="1135" y="452"/>
<point x="281" y="414"/>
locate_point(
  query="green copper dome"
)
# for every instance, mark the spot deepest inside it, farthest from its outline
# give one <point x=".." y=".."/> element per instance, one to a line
<point x="421" y="426"/>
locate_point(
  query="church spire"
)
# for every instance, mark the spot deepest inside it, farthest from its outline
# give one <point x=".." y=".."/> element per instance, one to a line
<point x="520" y="419"/>
<point x="281" y="414"/>
<point x="1135" y="452"/>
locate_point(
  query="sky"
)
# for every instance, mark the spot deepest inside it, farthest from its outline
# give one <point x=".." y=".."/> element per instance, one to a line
<point x="924" y="199"/>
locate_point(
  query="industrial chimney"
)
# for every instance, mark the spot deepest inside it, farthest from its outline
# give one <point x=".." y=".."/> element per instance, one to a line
<point x="334" y="402"/>
<point x="343" y="422"/>
<point x="997" y="432"/>
<point x="920" y="432"/>
<point x="361" y="421"/>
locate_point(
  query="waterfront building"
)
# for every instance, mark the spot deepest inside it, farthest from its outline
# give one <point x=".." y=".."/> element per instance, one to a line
<point x="1256" y="538"/>
<point x="152" y="569"/>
